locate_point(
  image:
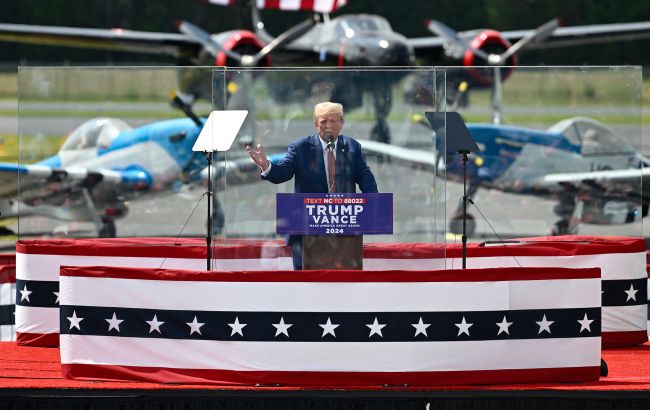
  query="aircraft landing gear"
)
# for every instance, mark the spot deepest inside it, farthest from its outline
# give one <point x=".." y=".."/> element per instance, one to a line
<point x="565" y="226"/>
<point x="382" y="96"/>
<point x="108" y="229"/>
<point x="218" y="218"/>
<point x="4" y="231"/>
<point x="106" y="225"/>
<point x="569" y="209"/>
<point x="380" y="132"/>
<point x="456" y="221"/>
<point x="456" y="224"/>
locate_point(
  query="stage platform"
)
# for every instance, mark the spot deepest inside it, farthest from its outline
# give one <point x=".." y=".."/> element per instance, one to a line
<point x="30" y="378"/>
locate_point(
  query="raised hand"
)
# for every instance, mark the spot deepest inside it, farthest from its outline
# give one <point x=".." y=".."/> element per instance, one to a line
<point x="258" y="156"/>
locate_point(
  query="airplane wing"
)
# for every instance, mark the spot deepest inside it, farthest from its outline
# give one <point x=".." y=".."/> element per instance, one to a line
<point x="580" y="35"/>
<point x="615" y="175"/>
<point x="561" y="37"/>
<point x="116" y="39"/>
<point x="607" y="197"/>
<point x="415" y="158"/>
<point x="420" y="159"/>
<point x="32" y="176"/>
<point x="242" y="170"/>
<point x="238" y="171"/>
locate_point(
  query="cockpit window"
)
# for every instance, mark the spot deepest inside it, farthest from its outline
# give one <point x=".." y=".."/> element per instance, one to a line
<point x="349" y="25"/>
<point x="593" y="137"/>
<point x="572" y="134"/>
<point x="95" y="133"/>
<point x="597" y="139"/>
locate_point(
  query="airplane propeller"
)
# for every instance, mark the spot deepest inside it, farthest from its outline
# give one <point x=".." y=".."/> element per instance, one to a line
<point x="244" y="60"/>
<point x="206" y="41"/>
<point x="539" y="35"/>
<point x="285" y="38"/>
<point x="457" y="45"/>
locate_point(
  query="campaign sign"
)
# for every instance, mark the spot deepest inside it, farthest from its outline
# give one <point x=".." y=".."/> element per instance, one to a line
<point x="322" y="214"/>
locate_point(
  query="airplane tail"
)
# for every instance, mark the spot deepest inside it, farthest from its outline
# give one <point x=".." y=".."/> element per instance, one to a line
<point x="323" y="6"/>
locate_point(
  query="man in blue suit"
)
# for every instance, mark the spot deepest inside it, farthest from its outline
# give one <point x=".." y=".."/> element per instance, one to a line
<point x="309" y="162"/>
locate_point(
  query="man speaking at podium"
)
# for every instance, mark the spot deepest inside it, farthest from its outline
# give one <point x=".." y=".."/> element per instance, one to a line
<point x="323" y="162"/>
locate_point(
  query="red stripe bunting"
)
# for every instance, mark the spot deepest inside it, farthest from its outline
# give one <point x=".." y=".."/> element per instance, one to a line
<point x="467" y="275"/>
<point x="7" y="274"/>
<point x="37" y="339"/>
<point x="618" y="339"/>
<point x="328" y="379"/>
<point x="271" y="4"/>
<point x="254" y="248"/>
<point x="308" y="5"/>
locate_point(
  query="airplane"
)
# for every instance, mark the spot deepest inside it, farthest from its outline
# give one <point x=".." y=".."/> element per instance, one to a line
<point x="104" y="163"/>
<point x="593" y="173"/>
<point x="348" y="40"/>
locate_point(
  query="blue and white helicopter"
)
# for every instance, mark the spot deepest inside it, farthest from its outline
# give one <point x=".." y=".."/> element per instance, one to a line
<point x="595" y="175"/>
<point x="104" y="163"/>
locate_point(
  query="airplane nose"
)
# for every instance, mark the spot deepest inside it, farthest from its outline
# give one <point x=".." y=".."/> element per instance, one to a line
<point x="396" y="53"/>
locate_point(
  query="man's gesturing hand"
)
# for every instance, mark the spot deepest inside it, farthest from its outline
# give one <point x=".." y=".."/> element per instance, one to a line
<point x="258" y="156"/>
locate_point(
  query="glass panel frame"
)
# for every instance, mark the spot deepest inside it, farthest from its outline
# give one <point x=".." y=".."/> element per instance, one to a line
<point x="283" y="111"/>
<point x="531" y="177"/>
<point x="142" y="145"/>
<point x="425" y="198"/>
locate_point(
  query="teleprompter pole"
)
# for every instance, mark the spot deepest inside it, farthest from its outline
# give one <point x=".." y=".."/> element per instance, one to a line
<point x="208" y="238"/>
<point x="464" y="237"/>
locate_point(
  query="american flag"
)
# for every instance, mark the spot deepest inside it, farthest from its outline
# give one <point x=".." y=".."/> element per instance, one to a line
<point x="320" y="6"/>
<point x="323" y="328"/>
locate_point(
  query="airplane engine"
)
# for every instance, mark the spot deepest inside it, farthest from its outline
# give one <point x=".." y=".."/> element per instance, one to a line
<point x="476" y="71"/>
<point x="492" y="43"/>
<point x="244" y="43"/>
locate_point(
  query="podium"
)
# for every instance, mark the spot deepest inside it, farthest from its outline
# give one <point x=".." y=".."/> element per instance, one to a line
<point x="332" y="252"/>
<point x="332" y="225"/>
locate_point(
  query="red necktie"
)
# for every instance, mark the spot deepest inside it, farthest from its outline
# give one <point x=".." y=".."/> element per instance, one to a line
<point x="331" y="167"/>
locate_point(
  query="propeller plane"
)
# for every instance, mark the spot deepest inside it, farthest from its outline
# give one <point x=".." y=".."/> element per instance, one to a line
<point x="347" y="40"/>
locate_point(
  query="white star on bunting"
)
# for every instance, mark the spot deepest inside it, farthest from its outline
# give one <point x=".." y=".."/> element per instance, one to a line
<point x="545" y="325"/>
<point x="114" y="323"/>
<point x="421" y="328"/>
<point x="195" y="326"/>
<point x="585" y="324"/>
<point x="237" y="327"/>
<point x="328" y="328"/>
<point x="282" y="327"/>
<point x="24" y="294"/>
<point x="631" y="294"/>
<point x="74" y="320"/>
<point x="463" y="327"/>
<point x="375" y="328"/>
<point x="154" y="324"/>
<point x="57" y="297"/>
<point x="504" y="326"/>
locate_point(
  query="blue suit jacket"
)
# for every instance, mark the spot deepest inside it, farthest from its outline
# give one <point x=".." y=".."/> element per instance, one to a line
<point x="304" y="162"/>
